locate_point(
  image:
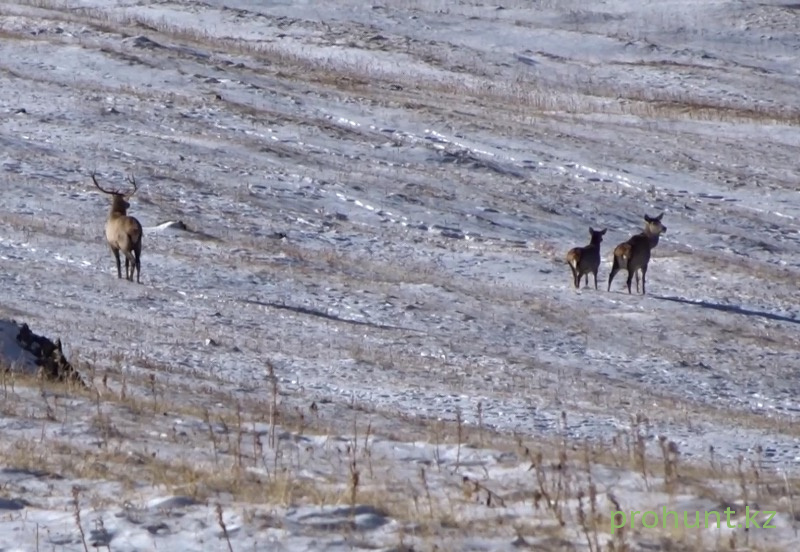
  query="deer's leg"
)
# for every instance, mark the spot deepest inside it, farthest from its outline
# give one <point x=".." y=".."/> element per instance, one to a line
<point x="644" y="271"/>
<point x="636" y="273"/>
<point x="595" y="278"/>
<point x="115" y="251"/>
<point x="614" y="270"/>
<point x="130" y="260"/>
<point x="630" y="278"/>
<point x="575" y="277"/>
<point x="138" y="267"/>
<point x="138" y="252"/>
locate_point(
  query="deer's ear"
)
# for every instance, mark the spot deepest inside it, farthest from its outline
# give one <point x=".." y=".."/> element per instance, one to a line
<point x="591" y="230"/>
<point x="603" y="232"/>
<point x="658" y="218"/>
<point x="647" y="218"/>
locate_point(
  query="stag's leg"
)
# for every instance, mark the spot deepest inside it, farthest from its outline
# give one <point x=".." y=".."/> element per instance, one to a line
<point x="630" y="278"/>
<point x="130" y="259"/>
<point x="636" y="273"/>
<point x="614" y="270"/>
<point x="575" y="276"/>
<point x="595" y="278"/>
<point x="138" y="254"/>
<point x="115" y="251"/>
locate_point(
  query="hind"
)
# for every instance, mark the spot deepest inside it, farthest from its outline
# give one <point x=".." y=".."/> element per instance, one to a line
<point x="634" y="254"/>
<point x="586" y="260"/>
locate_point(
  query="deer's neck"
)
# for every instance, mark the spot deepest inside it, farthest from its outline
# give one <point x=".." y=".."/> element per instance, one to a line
<point x="652" y="238"/>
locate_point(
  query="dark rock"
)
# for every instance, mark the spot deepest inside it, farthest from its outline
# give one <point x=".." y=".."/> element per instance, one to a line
<point x="49" y="356"/>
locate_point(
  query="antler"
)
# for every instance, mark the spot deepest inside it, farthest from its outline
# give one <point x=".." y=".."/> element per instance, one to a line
<point x="132" y="180"/>
<point x="101" y="188"/>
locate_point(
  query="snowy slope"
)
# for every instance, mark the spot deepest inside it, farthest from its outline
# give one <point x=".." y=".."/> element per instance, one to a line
<point x="378" y="199"/>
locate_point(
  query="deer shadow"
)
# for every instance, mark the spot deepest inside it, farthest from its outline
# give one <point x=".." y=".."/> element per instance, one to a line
<point x="728" y="308"/>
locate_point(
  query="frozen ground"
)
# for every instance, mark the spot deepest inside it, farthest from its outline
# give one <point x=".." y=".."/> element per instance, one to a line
<point x="378" y="198"/>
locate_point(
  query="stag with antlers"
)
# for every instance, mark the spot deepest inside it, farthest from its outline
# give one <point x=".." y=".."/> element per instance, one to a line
<point x="123" y="232"/>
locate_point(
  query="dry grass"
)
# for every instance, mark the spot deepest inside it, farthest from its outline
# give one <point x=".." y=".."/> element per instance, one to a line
<point x="556" y="479"/>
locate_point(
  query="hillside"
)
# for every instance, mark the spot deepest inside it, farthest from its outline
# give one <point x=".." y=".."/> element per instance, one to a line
<point x="367" y="304"/>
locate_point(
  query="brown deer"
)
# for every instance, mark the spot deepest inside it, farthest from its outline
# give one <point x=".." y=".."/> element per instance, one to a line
<point x="123" y="232"/>
<point x="586" y="260"/>
<point x="634" y="254"/>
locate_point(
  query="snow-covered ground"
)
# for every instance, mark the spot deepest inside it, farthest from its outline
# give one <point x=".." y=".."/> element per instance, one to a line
<point x="377" y="199"/>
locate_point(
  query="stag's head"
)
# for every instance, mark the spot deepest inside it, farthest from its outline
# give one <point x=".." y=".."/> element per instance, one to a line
<point x="119" y="200"/>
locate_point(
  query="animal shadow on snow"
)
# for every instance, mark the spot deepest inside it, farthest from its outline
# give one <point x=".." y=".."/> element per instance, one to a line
<point x="736" y="309"/>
